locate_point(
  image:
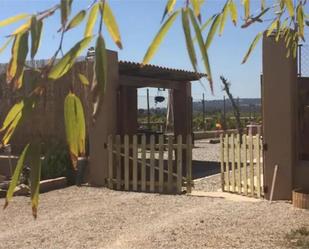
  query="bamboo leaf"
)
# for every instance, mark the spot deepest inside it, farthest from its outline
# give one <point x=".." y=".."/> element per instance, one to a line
<point x="5" y="45"/>
<point x="300" y="21"/>
<point x="290" y="7"/>
<point x="23" y="28"/>
<point x="75" y="126"/>
<point x="67" y="61"/>
<point x="65" y="7"/>
<point x="159" y="38"/>
<point x="252" y="46"/>
<point x="196" y="5"/>
<point x="76" y="20"/>
<point x="83" y="79"/>
<point x="168" y="8"/>
<point x="112" y="25"/>
<point x="246" y="4"/>
<point x="189" y="42"/>
<point x="202" y="49"/>
<point x="263" y="5"/>
<point x="36" y="31"/>
<point x="100" y="67"/>
<point x="206" y="24"/>
<point x="212" y="30"/>
<point x="93" y="15"/>
<point x="233" y="12"/>
<point x="223" y="17"/>
<point x="272" y="26"/>
<point x="12" y="114"/>
<point x="34" y="160"/>
<point x="16" y="176"/>
<point x="13" y="19"/>
<point x="16" y="65"/>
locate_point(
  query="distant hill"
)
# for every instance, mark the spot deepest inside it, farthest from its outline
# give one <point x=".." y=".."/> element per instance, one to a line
<point x="246" y="105"/>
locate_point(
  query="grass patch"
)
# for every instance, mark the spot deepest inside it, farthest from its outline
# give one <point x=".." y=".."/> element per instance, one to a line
<point x="299" y="238"/>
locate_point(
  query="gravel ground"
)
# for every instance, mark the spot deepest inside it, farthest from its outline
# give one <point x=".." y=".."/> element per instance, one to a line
<point x="101" y="218"/>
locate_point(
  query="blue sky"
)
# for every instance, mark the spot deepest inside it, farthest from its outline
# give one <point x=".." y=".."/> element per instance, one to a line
<point x="139" y="20"/>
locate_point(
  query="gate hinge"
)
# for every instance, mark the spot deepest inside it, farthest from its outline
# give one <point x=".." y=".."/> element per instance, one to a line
<point x="265" y="146"/>
<point x="265" y="189"/>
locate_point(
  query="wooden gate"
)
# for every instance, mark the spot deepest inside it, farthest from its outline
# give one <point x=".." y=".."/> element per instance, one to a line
<point x="242" y="164"/>
<point x="150" y="164"/>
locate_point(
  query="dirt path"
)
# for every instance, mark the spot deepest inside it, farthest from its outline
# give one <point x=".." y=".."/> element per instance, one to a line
<point x="101" y="218"/>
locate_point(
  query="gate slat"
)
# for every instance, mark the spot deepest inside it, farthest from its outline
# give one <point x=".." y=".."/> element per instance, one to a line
<point x="179" y="164"/>
<point x="126" y="162"/>
<point x="258" y="165"/>
<point x="233" y="161"/>
<point x="239" y="164"/>
<point x="143" y="165"/>
<point x="245" y="164"/>
<point x="152" y="169"/>
<point x="134" y="163"/>
<point x="118" y="161"/>
<point x="161" y="168"/>
<point x="222" y="161"/>
<point x="251" y="164"/>
<point x="189" y="163"/>
<point x="110" y="161"/>
<point x="227" y="164"/>
<point x="170" y="164"/>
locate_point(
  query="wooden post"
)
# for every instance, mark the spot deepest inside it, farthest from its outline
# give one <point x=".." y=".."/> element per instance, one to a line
<point x="135" y="163"/>
<point x="110" y="161"/>
<point x="233" y="162"/>
<point x="126" y="162"/>
<point x="222" y="161"/>
<point x="244" y="140"/>
<point x="239" y="164"/>
<point x="170" y="164"/>
<point x="161" y="166"/>
<point x="179" y="164"/>
<point x="118" y="161"/>
<point x="152" y="169"/>
<point x="251" y="164"/>
<point x="258" y="166"/>
<point x="189" y="163"/>
<point x="143" y="165"/>
<point x="227" y="164"/>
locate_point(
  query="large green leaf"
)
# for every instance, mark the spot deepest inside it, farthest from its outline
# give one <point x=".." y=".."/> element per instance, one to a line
<point x="76" y="20"/>
<point x="246" y="4"/>
<point x="93" y="15"/>
<point x="159" y="38"/>
<point x="13" y="19"/>
<point x="212" y="31"/>
<point x="16" y="176"/>
<point x="23" y="28"/>
<point x="274" y="25"/>
<point x="65" y="6"/>
<point x="99" y="85"/>
<point x="67" y="61"/>
<point x="223" y="17"/>
<point x="16" y="65"/>
<point x="12" y="115"/>
<point x="252" y="46"/>
<point x="34" y="160"/>
<point x="233" y="11"/>
<point x="290" y="7"/>
<point x="111" y="25"/>
<point x="74" y="126"/>
<point x="168" y="8"/>
<point x="36" y="31"/>
<point x="189" y="42"/>
<point x="196" y="5"/>
<point x="202" y="48"/>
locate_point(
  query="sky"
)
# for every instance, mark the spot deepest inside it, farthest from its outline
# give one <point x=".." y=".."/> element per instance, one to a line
<point x="139" y="20"/>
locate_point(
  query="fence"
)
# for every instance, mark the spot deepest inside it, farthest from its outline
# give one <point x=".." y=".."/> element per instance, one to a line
<point x="242" y="164"/>
<point x="150" y="164"/>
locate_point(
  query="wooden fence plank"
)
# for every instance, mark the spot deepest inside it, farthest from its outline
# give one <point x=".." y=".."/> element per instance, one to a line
<point x="239" y="164"/>
<point x="110" y="161"/>
<point x="118" y="161"/>
<point x="189" y="164"/>
<point x="227" y="164"/>
<point x="251" y="164"/>
<point x="161" y="166"/>
<point x="134" y="177"/>
<point x="170" y="164"/>
<point x="233" y="161"/>
<point x="222" y="161"/>
<point x="126" y="163"/>
<point x="258" y="165"/>
<point x="143" y="164"/>
<point x="244" y="140"/>
<point x="179" y="164"/>
<point x="152" y="166"/>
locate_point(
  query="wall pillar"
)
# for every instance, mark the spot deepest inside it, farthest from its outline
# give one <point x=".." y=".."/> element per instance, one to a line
<point x="279" y="98"/>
